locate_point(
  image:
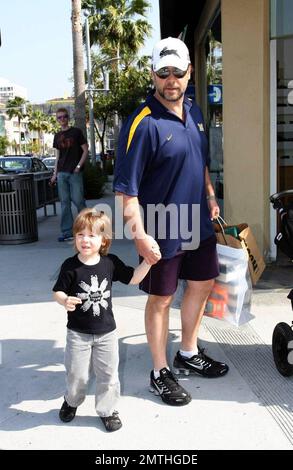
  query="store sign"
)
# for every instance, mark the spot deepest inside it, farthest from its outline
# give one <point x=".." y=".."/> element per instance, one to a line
<point x="215" y="94"/>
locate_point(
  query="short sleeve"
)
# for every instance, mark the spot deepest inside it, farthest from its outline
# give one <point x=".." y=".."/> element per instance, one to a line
<point x="65" y="279"/>
<point x="81" y="138"/>
<point x="133" y="156"/>
<point x="122" y="272"/>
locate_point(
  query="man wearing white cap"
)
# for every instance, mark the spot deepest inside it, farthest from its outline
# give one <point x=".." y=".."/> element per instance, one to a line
<point x="163" y="161"/>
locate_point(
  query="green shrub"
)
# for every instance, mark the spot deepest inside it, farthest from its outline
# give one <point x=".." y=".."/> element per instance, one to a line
<point x="109" y="167"/>
<point x="94" y="181"/>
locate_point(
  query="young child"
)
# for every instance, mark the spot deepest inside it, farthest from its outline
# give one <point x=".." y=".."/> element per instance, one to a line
<point x="84" y="289"/>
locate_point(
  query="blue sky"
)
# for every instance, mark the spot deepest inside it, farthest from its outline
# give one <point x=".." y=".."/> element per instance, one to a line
<point x="36" y="49"/>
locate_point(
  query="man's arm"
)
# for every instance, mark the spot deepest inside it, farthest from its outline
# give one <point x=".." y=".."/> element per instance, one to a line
<point x="211" y="198"/>
<point x="145" y="245"/>
<point x="85" y="151"/>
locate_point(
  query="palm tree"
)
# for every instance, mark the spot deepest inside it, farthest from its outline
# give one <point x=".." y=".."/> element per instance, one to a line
<point x="78" y="65"/>
<point x="39" y="122"/>
<point x="15" y="108"/>
<point x="114" y="25"/>
<point x="4" y="143"/>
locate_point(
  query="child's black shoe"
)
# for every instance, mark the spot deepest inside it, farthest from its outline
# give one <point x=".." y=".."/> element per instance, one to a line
<point x="113" y="422"/>
<point x="67" y="413"/>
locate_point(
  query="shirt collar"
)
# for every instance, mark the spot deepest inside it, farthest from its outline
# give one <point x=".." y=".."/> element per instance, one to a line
<point x="158" y="106"/>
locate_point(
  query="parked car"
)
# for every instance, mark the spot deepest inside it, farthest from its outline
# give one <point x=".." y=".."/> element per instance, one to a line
<point x="22" y="164"/>
<point x="49" y="162"/>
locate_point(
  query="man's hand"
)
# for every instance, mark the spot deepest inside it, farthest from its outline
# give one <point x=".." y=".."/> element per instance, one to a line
<point x="148" y="249"/>
<point x="214" y="208"/>
<point x="53" y="179"/>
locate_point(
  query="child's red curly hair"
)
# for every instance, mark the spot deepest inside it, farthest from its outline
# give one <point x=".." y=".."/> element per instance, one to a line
<point x="97" y="222"/>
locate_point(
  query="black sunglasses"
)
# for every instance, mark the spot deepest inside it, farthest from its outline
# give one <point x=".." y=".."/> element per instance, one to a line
<point x="165" y="72"/>
<point x="63" y="116"/>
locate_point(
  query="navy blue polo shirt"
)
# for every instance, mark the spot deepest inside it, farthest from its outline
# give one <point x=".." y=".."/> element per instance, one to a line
<point x="162" y="160"/>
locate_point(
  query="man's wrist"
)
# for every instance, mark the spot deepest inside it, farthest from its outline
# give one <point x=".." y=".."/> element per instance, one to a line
<point x="78" y="166"/>
<point x="211" y="197"/>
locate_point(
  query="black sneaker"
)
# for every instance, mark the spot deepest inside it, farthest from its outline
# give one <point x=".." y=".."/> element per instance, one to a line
<point x="168" y="388"/>
<point x="67" y="413"/>
<point x="113" y="422"/>
<point x="199" y="364"/>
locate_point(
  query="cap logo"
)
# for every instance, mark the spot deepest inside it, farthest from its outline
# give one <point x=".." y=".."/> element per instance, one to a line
<point x="167" y="51"/>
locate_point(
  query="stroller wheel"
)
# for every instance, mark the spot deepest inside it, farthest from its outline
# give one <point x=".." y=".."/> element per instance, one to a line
<point x="281" y="336"/>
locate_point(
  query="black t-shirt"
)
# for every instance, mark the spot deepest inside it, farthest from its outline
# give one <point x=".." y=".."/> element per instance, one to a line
<point x="92" y="284"/>
<point x="69" y="145"/>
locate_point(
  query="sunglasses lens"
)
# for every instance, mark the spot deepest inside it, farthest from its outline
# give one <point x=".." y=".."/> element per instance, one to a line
<point x="179" y="73"/>
<point x="165" y="72"/>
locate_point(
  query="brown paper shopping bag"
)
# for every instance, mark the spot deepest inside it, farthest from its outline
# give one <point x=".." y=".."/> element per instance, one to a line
<point x="256" y="261"/>
<point x="245" y="240"/>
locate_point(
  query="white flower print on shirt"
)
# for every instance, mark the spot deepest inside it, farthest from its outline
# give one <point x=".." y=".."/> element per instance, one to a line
<point x="94" y="295"/>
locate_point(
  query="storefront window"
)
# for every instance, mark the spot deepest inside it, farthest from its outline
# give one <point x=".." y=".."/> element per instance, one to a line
<point x="281" y="18"/>
<point x="282" y="33"/>
<point x="213" y="47"/>
<point x="285" y="113"/>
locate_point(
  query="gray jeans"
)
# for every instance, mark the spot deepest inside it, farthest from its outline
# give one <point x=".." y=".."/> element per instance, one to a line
<point x="85" y="352"/>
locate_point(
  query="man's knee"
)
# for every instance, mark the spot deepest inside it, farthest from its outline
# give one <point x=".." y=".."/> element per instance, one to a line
<point x="159" y="302"/>
<point x="202" y="288"/>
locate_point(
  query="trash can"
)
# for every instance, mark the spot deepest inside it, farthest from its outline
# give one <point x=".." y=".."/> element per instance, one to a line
<point x="18" y="218"/>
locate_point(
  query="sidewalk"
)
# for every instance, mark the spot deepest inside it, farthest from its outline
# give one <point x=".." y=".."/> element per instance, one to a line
<point x="250" y="408"/>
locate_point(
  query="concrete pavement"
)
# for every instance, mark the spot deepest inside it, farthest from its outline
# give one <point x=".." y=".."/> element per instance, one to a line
<point x="250" y="408"/>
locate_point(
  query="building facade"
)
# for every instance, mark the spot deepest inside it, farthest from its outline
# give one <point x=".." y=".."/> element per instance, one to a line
<point x="248" y="106"/>
<point x="9" y="90"/>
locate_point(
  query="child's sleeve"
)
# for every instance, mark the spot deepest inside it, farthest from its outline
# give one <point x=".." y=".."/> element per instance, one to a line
<point x="64" y="280"/>
<point x="122" y="272"/>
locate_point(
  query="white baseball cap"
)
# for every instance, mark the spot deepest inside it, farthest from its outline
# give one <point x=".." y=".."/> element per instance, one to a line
<point x="170" y="52"/>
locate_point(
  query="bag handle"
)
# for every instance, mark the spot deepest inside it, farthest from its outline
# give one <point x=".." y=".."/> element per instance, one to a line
<point x="220" y="221"/>
<point x="222" y="224"/>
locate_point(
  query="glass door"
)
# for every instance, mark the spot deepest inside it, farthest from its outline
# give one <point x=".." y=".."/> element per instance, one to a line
<point x="281" y="172"/>
<point x="213" y="49"/>
<point x="284" y="113"/>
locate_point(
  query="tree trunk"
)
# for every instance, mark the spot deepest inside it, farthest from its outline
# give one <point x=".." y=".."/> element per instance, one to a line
<point x="78" y="66"/>
<point x="19" y="136"/>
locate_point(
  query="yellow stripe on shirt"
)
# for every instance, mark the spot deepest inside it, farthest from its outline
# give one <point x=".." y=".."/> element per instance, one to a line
<point x="144" y="112"/>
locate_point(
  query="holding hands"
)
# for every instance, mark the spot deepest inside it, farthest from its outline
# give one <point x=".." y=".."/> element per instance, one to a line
<point x="149" y="249"/>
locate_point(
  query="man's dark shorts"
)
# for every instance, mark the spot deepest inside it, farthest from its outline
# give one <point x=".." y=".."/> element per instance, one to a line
<point x="193" y="265"/>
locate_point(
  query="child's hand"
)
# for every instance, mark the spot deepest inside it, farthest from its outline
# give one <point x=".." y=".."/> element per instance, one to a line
<point x="71" y="302"/>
